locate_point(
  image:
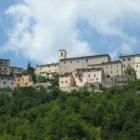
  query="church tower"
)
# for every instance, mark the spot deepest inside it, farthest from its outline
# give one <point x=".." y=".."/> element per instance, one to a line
<point x="62" y="54"/>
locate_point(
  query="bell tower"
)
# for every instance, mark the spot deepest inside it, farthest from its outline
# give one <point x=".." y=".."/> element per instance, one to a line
<point x="62" y="54"/>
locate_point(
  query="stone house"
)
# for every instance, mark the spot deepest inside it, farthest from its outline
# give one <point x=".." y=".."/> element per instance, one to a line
<point x="133" y="61"/>
<point x="87" y="76"/>
<point x="7" y="81"/>
<point x="71" y="64"/>
<point x="4" y="66"/>
<point x="24" y="81"/>
<point x="47" y="70"/>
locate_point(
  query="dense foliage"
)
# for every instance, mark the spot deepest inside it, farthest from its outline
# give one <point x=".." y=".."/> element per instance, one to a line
<point x="33" y="114"/>
<point x="54" y="80"/>
<point x="31" y="71"/>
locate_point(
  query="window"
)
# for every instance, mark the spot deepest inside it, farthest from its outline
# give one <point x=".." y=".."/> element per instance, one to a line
<point x="88" y="75"/>
<point x="61" y="53"/>
<point x="137" y="66"/>
<point x="4" y="83"/>
<point x="62" y="82"/>
<point x="66" y="82"/>
<point x="117" y="71"/>
<point x="96" y="79"/>
<point x="129" y="59"/>
<point x="86" y="60"/>
<point x="124" y="65"/>
<point x="124" y="59"/>
<point x="94" y="75"/>
<point x="77" y="61"/>
<point x="70" y="61"/>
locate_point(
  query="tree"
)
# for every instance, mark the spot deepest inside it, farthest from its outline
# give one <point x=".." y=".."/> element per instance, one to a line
<point x="42" y="79"/>
<point x="54" y="80"/>
<point x="130" y="70"/>
<point x="30" y="70"/>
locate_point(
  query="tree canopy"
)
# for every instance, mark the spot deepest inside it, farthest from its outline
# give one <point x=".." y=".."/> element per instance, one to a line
<point x="40" y="114"/>
<point x="30" y="71"/>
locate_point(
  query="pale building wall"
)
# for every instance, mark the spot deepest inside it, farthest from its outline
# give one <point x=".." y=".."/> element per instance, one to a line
<point x="88" y="76"/>
<point x="137" y="70"/>
<point x="126" y="61"/>
<point x="16" y="71"/>
<point x="62" y="54"/>
<point x="47" y="70"/>
<point x="4" y="67"/>
<point x="110" y="69"/>
<point x="137" y="66"/>
<point x="133" y="61"/>
<point x="70" y="64"/>
<point x="66" y="80"/>
<point x="7" y="81"/>
<point x="24" y="81"/>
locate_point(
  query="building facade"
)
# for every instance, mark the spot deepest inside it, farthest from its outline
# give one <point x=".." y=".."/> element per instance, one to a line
<point x="88" y="76"/>
<point x="70" y="64"/>
<point x="24" y="81"/>
<point x="7" y="81"/>
<point x="66" y="80"/>
<point x="4" y="67"/>
<point x="111" y="69"/>
<point x="133" y="61"/>
<point x="47" y="70"/>
<point x="16" y="71"/>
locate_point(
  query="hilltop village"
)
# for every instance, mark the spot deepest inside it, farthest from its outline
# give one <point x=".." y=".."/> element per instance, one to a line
<point x="96" y="70"/>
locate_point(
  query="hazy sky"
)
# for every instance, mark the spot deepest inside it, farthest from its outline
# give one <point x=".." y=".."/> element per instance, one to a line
<point x="34" y="30"/>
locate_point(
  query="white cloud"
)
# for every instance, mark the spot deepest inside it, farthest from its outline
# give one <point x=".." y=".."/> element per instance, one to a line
<point x="43" y="27"/>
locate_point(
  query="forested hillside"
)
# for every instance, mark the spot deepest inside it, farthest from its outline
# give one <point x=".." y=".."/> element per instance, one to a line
<point x="32" y="114"/>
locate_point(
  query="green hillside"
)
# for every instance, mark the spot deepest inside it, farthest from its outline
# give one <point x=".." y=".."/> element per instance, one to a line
<point x="32" y="114"/>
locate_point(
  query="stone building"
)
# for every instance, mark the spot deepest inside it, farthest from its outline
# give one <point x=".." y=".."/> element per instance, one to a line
<point x="133" y="61"/>
<point x="76" y="71"/>
<point x="66" y="80"/>
<point x="24" y="81"/>
<point x="16" y="71"/>
<point x="4" y="66"/>
<point x="67" y="65"/>
<point x="47" y="70"/>
<point x="111" y="69"/>
<point x="7" y="81"/>
<point x="87" y="76"/>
